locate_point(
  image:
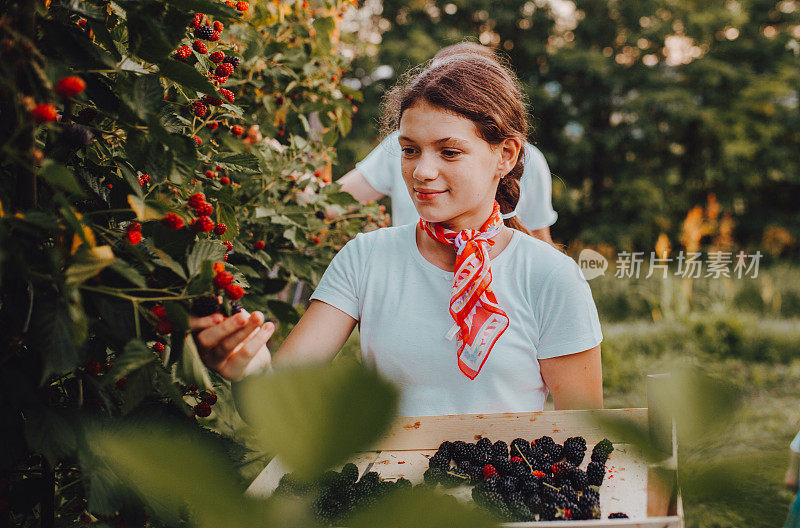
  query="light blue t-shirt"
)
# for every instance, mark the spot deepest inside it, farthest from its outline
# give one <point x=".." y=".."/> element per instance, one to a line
<point x="381" y="168"/>
<point x="795" y="445"/>
<point x="402" y="301"/>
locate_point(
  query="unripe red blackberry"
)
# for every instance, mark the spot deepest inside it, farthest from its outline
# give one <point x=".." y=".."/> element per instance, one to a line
<point x="134" y="237"/>
<point x="222" y="279"/>
<point x="225" y="69"/>
<point x="197" y="140"/>
<point x="228" y="245"/>
<point x="183" y="52"/>
<point x="199" y="109"/>
<point x="200" y="47"/>
<point x="218" y="26"/>
<point x="202" y="224"/>
<point x="237" y="130"/>
<point x="158" y="346"/>
<point x="234" y="292"/>
<point x="44" y="113"/>
<point x="220" y="229"/>
<point x="197" y="21"/>
<point x="211" y="101"/>
<point x="228" y="95"/>
<point x="202" y="409"/>
<point x="258" y="245"/>
<point x="242" y="6"/>
<point x="172" y="221"/>
<point x="205" y="209"/>
<point x="144" y="179"/>
<point x="215" y="36"/>
<point x="212" y="125"/>
<point x="204" y="32"/>
<point x="217" y="57"/>
<point x="196" y="200"/>
<point x="70" y="86"/>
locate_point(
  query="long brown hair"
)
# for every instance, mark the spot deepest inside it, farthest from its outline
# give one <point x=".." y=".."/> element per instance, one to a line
<point x="478" y="85"/>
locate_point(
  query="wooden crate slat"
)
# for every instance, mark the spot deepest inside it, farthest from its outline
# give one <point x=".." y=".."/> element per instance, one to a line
<point x="427" y="432"/>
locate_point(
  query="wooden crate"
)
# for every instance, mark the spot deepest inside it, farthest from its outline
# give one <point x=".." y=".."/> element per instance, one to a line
<point x="649" y="494"/>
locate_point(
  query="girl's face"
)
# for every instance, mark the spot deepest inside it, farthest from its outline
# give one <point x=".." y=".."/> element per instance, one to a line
<point x="451" y="173"/>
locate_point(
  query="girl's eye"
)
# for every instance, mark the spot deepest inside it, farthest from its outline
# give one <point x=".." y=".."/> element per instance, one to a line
<point x="408" y="151"/>
<point x="451" y="153"/>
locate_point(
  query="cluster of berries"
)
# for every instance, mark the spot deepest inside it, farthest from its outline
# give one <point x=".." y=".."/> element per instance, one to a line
<point x="203" y="223"/>
<point x="144" y="180"/>
<point x="205" y="399"/>
<point x="526" y="481"/>
<point x="336" y="495"/>
<point x="163" y="324"/>
<point x="240" y="6"/>
<point x="223" y="281"/>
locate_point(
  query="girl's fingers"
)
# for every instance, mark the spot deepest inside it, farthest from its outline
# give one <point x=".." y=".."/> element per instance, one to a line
<point x="240" y="361"/>
<point x="209" y="338"/>
<point x="201" y="323"/>
<point x="232" y="342"/>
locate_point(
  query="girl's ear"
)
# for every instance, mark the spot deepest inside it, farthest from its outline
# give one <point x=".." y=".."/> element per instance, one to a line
<point x="509" y="152"/>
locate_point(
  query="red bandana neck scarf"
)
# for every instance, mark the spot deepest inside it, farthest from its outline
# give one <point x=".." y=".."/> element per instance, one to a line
<point x="473" y="304"/>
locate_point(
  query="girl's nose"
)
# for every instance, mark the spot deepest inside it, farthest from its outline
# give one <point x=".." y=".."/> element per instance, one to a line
<point x="426" y="168"/>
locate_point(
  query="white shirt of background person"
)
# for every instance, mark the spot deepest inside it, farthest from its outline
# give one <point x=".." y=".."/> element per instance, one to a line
<point x="379" y="175"/>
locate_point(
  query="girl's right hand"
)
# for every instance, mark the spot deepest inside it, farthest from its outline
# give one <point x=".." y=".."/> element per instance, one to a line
<point x="236" y="346"/>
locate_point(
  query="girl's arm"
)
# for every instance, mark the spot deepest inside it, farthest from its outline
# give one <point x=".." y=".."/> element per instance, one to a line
<point x="575" y="380"/>
<point x="793" y="472"/>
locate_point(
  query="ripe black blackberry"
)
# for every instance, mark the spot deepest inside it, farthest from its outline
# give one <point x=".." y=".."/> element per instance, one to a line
<point x="502" y="465"/>
<point x="569" y="493"/>
<point x="439" y="460"/>
<point x="521" y="447"/>
<point x="557" y="452"/>
<point x="492" y="483"/>
<point x="433" y="475"/>
<point x="534" y="503"/>
<point x="500" y="450"/>
<point x="484" y="443"/>
<point x="75" y="136"/>
<point x="204" y="32"/>
<point x="446" y="449"/>
<point x="578" y="479"/>
<point x="349" y="474"/>
<point x="528" y="485"/>
<point x="455" y="477"/>
<point x="548" y="511"/>
<point x="592" y="494"/>
<point x="618" y="515"/>
<point x="520" y="469"/>
<point x="595" y="473"/>
<point x="602" y="451"/>
<point x="326" y="508"/>
<point x="234" y="61"/>
<point x="403" y="483"/>
<point x="496" y="505"/>
<point x="509" y="484"/>
<point x="236" y="307"/>
<point x="589" y="508"/>
<point x="480" y="457"/>
<point x="545" y="443"/>
<point x="203" y="306"/>
<point x="562" y="469"/>
<point x="575" y="449"/>
<point x="519" y="510"/>
<point x="460" y="451"/>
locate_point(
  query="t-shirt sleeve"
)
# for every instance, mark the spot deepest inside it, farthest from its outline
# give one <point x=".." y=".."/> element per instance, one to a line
<point x="568" y="320"/>
<point x="535" y="207"/>
<point x="340" y="284"/>
<point x="378" y="167"/>
<point x="795" y="445"/>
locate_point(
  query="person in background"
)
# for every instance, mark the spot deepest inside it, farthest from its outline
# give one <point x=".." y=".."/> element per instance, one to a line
<point x="791" y="480"/>
<point x="379" y="174"/>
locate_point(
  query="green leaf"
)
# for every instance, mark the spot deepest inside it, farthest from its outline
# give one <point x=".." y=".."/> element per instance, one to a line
<point x="177" y="313"/>
<point x="51" y="432"/>
<point x="127" y="271"/>
<point x="163" y="259"/>
<point x="343" y="122"/>
<point x="186" y="75"/>
<point x="174" y="470"/>
<point x="135" y="356"/>
<point x="228" y="216"/>
<point x="211" y="250"/>
<point x="419" y="507"/>
<point x="353" y="407"/>
<point x="247" y="163"/>
<point x="59" y="176"/>
<point x="139" y="385"/>
<point x="190" y="368"/>
<point x="52" y="335"/>
<point x="87" y="263"/>
<point x="145" y="97"/>
<point x="209" y="7"/>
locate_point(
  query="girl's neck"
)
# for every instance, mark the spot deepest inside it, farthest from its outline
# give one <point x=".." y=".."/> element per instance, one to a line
<point x="444" y="255"/>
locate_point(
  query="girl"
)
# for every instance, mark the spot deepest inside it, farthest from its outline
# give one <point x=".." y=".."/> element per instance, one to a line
<point x="463" y="310"/>
<point x="380" y="174"/>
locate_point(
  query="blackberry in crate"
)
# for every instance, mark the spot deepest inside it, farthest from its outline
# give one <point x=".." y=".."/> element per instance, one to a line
<point x="509" y="485"/>
<point x="433" y="476"/>
<point x="578" y="479"/>
<point x="349" y="474"/>
<point x="521" y="447"/>
<point x="545" y="443"/>
<point x="484" y="444"/>
<point x="519" y="468"/>
<point x="557" y="452"/>
<point x="589" y="508"/>
<point x="548" y="511"/>
<point x="326" y="509"/>
<point x="595" y="473"/>
<point x="602" y="451"/>
<point x="520" y="512"/>
<point x="439" y="460"/>
<point x="529" y="485"/>
<point x="460" y="451"/>
<point x="496" y="505"/>
<point x="455" y="477"/>
<point x="502" y="465"/>
<point x="203" y="306"/>
<point x="569" y="493"/>
<point x="575" y="450"/>
<point x="500" y="450"/>
<point x="446" y="449"/>
<point x="480" y="457"/>
<point x="618" y="515"/>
